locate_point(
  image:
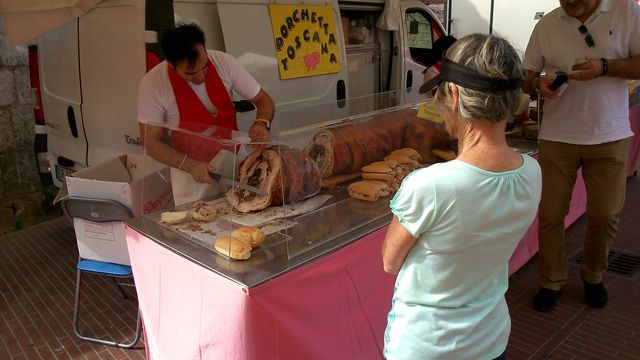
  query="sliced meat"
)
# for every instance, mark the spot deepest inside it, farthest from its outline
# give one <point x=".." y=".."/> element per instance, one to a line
<point x="287" y="175"/>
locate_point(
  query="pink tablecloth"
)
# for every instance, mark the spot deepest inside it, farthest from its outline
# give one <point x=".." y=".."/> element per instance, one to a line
<point x="634" y="119"/>
<point x="332" y="308"/>
<point x="528" y="246"/>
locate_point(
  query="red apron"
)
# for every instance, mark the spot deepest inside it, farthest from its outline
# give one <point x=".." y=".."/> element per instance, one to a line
<point x="195" y="117"/>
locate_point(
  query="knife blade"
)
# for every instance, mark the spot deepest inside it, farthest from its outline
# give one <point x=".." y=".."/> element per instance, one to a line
<point x="229" y="181"/>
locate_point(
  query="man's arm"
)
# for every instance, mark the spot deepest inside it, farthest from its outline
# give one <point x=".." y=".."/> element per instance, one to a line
<point x="265" y="109"/>
<point x="625" y="68"/>
<point x="397" y="244"/>
<point x="154" y="145"/>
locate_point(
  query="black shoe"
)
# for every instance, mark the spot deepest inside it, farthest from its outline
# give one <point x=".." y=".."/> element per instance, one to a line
<point x="595" y="294"/>
<point x="546" y="299"/>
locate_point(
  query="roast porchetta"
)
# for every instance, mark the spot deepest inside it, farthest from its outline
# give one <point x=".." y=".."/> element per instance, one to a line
<point x="286" y="174"/>
<point x="347" y="148"/>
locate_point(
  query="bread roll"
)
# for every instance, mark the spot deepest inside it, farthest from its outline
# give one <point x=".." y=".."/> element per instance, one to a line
<point x="173" y="217"/>
<point x="404" y="161"/>
<point x="444" y="154"/>
<point x="203" y="212"/>
<point x="250" y="235"/>
<point x="233" y="248"/>
<point x="380" y="170"/>
<point x="369" y="190"/>
<point x="408" y="152"/>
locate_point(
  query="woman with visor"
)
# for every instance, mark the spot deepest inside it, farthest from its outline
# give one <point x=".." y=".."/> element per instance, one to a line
<point x="456" y="224"/>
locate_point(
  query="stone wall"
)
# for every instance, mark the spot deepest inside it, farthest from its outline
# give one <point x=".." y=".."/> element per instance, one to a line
<point x="21" y="195"/>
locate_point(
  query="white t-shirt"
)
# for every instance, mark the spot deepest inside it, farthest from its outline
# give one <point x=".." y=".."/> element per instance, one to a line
<point x="157" y="103"/>
<point x="448" y="301"/>
<point x="594" y="111"/>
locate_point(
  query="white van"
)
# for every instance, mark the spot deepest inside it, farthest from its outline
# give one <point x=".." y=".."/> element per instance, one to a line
<point x="90" y="67"/>
<point x="512" y="20"/>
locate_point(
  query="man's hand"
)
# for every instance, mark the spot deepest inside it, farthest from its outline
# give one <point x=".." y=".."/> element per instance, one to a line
<point x="258" y="132"/>
<point x="265" y="108"/>
<point x="542" y="83"/>
<point x="199" y="171"/>
<point x="588" y="70"/>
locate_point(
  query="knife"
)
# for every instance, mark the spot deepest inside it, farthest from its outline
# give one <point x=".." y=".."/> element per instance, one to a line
<point x="228" y="181"/>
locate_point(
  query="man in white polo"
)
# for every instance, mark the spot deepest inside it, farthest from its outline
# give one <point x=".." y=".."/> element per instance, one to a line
<point x="585" y="125"/>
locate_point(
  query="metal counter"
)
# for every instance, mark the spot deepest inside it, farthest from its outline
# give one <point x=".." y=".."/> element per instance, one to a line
<point x="338" y="222"/>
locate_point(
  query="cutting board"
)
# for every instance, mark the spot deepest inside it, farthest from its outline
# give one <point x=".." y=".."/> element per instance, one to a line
<point x="334" y="180"/>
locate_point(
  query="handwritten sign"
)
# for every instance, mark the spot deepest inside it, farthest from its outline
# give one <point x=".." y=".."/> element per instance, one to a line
<point x="305" y="40"/>
<point x="429" y="112"/>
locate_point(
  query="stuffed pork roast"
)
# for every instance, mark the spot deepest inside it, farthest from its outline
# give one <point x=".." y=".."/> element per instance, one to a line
<point x="287" y="175"/>
<point x="347" y="148"/>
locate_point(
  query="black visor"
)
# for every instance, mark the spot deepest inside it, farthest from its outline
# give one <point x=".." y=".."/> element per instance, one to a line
<point x="465" y="77"/>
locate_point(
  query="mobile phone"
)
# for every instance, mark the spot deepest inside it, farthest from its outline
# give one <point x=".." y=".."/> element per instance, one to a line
<point x="561" y="78"/>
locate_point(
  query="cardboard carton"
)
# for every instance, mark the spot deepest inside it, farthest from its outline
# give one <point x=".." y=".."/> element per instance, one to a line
<point x="136" y="181"/>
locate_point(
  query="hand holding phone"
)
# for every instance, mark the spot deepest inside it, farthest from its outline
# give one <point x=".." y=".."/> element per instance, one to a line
<point x="561" y="78"/>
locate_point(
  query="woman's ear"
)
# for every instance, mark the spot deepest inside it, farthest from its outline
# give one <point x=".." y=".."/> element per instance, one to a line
<point x="455" y="97"/>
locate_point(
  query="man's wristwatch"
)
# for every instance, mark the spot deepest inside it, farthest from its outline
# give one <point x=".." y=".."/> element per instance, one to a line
<point x="266" y="123"/>
<point x="605" y="66"/>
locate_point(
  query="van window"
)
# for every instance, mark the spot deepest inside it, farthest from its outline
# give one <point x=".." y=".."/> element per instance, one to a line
<point x="158" y="18"/>
<point x="422" y="31"/>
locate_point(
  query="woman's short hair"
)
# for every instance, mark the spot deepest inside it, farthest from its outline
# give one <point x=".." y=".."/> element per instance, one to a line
<point x="490" y="56"/>
<point x="180" y="43"/>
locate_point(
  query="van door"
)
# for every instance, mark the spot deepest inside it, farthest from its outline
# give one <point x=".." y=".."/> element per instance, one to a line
<point x="299" y="101"/>
<point x="421" y="29"/>
<point x="112" y="46"/>
<point x="61" y="99"/>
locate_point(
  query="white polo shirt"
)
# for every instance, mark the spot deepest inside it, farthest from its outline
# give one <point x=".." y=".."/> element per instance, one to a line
<point x="594" y="111"/>
<point x="157" y="103"/>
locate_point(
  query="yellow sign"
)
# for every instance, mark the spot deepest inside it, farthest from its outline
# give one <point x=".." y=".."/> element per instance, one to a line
<point x="305" y="39"/>
<point x="429" y="112"/>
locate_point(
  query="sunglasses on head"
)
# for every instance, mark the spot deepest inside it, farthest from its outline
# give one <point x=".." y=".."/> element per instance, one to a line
<point x="587" y="37"/>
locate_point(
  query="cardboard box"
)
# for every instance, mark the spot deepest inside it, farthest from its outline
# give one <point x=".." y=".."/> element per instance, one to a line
<point x="136" y="181"/>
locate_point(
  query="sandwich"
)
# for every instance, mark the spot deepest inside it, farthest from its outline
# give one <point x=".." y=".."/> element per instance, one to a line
<point x="408" y="152"/>
<point x="406" y="163"/>
<point x="233" y="247"/>
<point x="249" y="235"/>
<point x="203" y="212"/>
<point x="381" y="170"/>
<point x="173" y="217"/>
<point x="446" y="155"/>
<point x="369" y="190"/>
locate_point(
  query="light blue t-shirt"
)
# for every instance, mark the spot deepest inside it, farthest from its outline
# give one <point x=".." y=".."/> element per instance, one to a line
<point x="448" y="301"/>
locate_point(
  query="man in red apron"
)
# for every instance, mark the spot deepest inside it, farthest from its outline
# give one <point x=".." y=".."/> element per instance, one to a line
<point x="190" y="92"/>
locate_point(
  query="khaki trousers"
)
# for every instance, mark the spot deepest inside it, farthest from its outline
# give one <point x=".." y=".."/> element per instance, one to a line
<point x="604" y="170"/>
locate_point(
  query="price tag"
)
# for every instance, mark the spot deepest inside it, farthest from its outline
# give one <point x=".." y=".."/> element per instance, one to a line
<point x="428" y="112"/>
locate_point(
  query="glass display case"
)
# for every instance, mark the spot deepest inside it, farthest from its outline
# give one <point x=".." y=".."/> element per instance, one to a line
<point x="251" y="211"/>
